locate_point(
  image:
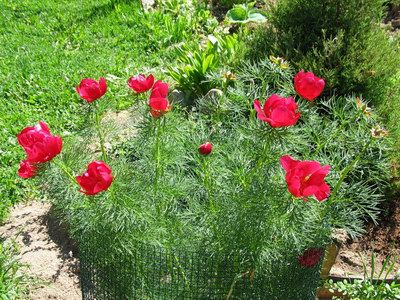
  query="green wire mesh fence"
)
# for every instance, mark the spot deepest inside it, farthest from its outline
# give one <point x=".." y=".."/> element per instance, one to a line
<point x="155" y="273"/>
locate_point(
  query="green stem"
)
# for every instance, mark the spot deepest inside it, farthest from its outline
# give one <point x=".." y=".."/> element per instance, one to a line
<point x="157" y="154"/>
<point x="263" y="157"/>
<point x="348" y="169"/>
<point x="343" y="175"/>
<point x="207" y="182"/>
<point x="333" y="136"/>
<point x="100" y="133"/>
<point x="65" y="170"/>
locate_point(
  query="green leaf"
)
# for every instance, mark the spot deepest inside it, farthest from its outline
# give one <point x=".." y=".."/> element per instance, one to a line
<point x="238" y="14"/>
<point x="256" y="15"/>
<point x="250" y="5"/>
<point x="207" y="63"/>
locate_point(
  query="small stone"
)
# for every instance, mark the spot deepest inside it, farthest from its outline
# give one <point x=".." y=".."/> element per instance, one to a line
<point x="214" y="93"/>
<point x="339" y="236"/>
<point x="147" y="4"/>
<point x="177" y="96"/>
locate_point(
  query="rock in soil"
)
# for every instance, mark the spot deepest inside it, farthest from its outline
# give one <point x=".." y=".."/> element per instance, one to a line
<point x="46" y="250"/>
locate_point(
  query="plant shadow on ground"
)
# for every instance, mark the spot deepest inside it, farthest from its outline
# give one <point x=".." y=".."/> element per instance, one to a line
<point x="49" y="255"/>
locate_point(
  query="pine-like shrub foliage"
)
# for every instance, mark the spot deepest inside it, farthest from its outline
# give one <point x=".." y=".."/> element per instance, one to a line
<point x="234" y="201"/>
<point x="341" y="40"/>
<point x="230" y="200"/>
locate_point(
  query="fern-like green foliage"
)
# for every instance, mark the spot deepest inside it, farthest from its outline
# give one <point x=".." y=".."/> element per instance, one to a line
<point x="236" y="199"/>
<point x="233" y="202"/>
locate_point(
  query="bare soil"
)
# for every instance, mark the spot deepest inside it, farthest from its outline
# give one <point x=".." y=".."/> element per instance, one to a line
<point x="393" y="17"/>
<point x="46" y="250"/>
<point x="383" y="240"/>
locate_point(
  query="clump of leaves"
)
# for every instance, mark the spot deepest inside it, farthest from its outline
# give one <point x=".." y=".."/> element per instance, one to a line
<point x="370" y="288"/>
<point x="13" y="282"/>
<point x="197" y="64"/>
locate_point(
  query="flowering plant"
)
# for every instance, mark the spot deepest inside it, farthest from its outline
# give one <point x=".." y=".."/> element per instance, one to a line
<point x="263" y="185"/>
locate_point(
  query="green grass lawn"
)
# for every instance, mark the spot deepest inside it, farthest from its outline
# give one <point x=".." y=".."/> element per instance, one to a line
<point x="47" y="47"/>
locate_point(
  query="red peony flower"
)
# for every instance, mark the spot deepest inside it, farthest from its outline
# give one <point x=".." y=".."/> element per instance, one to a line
<point x="310" y="257"/>
<point x="308" y="86"/>
<point x="205" y="148"/>
<point x="159" y="107"/>
<point x="140" y="83"/>
<point x="306" y="178"/>
<point x="26" y="169"/>
<point x="160" y="90"/>
<point x="277" y="111"/>
<point x="96" y="179"/>
<point x="39" y="144"/>
<point x="90" y="89"/>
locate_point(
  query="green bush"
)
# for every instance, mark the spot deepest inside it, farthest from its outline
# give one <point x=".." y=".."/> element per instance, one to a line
<point x="340" y="40"/>
<point x="242" y="198"/>
<point x="233" y="202"/>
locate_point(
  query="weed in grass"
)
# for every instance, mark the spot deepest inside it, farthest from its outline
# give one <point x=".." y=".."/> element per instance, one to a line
<point x="13" y="281"/>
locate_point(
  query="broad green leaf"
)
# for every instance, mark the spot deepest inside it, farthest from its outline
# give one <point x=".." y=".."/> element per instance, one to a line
<point x="207" y="63"/>
<point x="256" y="15"/>
<point x="237" y="14"/>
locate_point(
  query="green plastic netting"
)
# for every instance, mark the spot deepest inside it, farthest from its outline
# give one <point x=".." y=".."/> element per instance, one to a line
<point x="155" y="273"/>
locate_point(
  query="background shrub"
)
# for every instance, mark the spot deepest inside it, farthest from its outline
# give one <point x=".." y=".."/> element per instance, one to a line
<point x="339" y="40"/>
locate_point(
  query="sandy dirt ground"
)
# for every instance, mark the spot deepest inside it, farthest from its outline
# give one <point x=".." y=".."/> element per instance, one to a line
<point x="46" y="250"/>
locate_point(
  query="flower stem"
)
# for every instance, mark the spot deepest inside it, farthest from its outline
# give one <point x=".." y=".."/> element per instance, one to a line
<point x="157" y="154"/>
<point x="348" y="168"/>
<point x="337" y="131"/>
<point x="100" y="133"/>
<point x="343" y="175"/>
<point x="263" y="157"/>
<point x="65" y="170"/>
<point x="207" y="182"/>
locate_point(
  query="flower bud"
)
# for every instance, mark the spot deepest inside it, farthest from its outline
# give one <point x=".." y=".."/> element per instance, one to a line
<point x="205" y="149"/>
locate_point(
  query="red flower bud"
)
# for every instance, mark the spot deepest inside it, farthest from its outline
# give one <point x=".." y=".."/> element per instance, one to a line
<point x="308" y="86"/>
<point x="160" y="90"/>
<point x="96" y="179"/>
<point x="39" y="144"/>
<point x="26" y="169"/>
<point x="205" y="148"/>
<point x="90" y="89"/>
<point x="140" y="83"/>
<point x="277" y="111"/>
<point x="310" y="257"/>
<point x="306" y="178"/>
